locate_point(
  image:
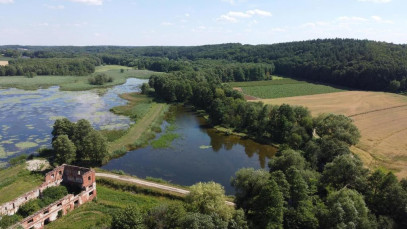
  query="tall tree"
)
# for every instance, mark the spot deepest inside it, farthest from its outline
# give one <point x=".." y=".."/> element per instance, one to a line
<point x="64" y="149"/>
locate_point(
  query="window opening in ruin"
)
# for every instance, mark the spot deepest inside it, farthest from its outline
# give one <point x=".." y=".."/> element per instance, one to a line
<point x="46" y="221"/>
<point x="60" y="172"/>
<point x="88" y="177"/>
<point x="31" y="220"/>
<point x="59" y="214"/>
<point x="59" y="205"/>
<point x="76" y="203"/>
<point x="46" y="211"/>
<point x="52" y="175"/>
<point x="91" y="193"/>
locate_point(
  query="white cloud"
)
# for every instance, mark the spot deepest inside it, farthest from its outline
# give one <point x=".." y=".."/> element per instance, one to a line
<point x="352" y="19"/>
<point x="225" y="17"/>
<point x="278" y="29"/>
<point x="6" y="1"/>
<point x="239" y="14"/>
<point x="232" y="16"/>
<point x="233" y="2"/>
<point x="58" y="7"/>
<point x="259" y="12"/>
<point x="88" y="2"/>
<point x="381" y="20"/>
<point x="43" y="24"/>
<point x="375" y="1"/>
<point x="166" y="23"/>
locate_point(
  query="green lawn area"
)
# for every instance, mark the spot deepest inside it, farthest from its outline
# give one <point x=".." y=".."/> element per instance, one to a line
<point x="98" y="214"/>
<point x="283" y="88"/>
<point x="75" y="83"/>
<point x="17" y="180"/>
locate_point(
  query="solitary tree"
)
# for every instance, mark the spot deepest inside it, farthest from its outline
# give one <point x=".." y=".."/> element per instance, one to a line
<point x="207" y="198"/>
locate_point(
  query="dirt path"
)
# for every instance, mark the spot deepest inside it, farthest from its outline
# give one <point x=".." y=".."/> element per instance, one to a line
<point x="149" y="184"/>
<point x="137" y="129"/>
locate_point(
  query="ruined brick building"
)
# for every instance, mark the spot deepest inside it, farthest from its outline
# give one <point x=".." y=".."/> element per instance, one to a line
<point x="80" y="178"/>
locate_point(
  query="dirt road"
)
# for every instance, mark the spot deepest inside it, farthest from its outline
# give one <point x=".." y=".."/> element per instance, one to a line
<point x="149" y="184"/>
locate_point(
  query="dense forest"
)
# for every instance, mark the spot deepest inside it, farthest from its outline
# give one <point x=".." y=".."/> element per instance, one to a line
<point x="314" y="181"/>
<point x="50" y="66"/>
<point x="353" y="63"/>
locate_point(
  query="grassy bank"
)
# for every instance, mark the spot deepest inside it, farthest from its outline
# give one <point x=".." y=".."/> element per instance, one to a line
<point x="285" y="87"/>
<point x="17" y="180"/>
<point x="165" y="140"/>
<point x="75" y="83"/>
<point x="148" y="116"/>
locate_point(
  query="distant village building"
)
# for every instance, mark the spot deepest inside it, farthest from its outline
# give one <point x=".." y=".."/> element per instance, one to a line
<point x="78" y="177"/>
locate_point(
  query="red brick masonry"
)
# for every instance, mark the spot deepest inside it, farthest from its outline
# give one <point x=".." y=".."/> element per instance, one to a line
<point x="80" y="177"/>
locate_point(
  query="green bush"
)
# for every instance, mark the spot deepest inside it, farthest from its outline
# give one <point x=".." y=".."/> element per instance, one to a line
<point x="100" y="79"/>
<point x="18" y="160"/>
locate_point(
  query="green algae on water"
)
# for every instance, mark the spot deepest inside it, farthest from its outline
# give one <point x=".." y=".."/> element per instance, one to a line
<point x="26" y="145"/>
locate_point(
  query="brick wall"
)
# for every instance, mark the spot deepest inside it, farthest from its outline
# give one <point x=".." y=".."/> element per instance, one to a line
<point x="83" y="178"/>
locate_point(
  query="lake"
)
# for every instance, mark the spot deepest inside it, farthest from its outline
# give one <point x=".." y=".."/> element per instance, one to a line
<point x="27" y="117"/>
<point x="199" y="154"/>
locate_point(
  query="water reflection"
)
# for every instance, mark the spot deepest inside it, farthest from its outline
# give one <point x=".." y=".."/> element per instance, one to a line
<point x="200" y="154"/>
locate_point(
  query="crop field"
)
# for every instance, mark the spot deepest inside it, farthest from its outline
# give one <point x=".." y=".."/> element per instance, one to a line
<point x="281" y="88"/>
<point x="381" y="118"/>
<point x="75" y="83"/>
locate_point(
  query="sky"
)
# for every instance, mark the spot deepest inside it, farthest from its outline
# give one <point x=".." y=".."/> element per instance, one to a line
<point x="198" y="22"/>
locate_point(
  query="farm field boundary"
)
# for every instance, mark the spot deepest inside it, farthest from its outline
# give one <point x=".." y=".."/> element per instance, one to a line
<point x="281" y="88"/>
<point x="381" y="118"/>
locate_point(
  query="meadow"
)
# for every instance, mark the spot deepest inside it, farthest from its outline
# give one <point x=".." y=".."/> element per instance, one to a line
<point x="381" y="118"/>
<point x="75" y="83"/>
<point x="98" y="214"/>
<point x="16" y="181"/>
<point x="283" y="87"/>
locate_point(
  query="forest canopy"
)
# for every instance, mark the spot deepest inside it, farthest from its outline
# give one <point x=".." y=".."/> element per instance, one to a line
<point x="360" y="64"/>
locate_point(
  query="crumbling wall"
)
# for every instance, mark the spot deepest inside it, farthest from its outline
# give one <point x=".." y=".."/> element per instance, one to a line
<point x="11" y="207"/>
<point x="61" y="207"/>
<point x="83" y="178"/>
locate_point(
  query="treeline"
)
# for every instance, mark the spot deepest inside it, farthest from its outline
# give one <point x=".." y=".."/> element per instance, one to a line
<point x="50" y="66"/>
<point x="353" y="63"/>
<point x="283" y="124"/>
<point x="359" y="64"/>
<point x="204" y="207"/>
<point x="314" y="181"/>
